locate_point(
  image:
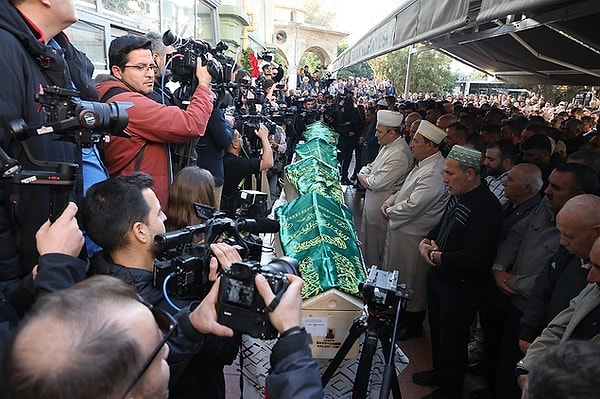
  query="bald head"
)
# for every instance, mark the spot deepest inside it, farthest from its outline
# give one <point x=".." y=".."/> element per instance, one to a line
<point x="76" y="343"/>
<point x="585" y="208"/>
<point x="579" y="224"/>
<point x="412" y="117"/>
<point x="445" y="120"/>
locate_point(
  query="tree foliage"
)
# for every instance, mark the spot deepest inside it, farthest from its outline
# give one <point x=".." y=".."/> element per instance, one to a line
<point x="316" y="14"/>
<point x="362" y="69"/>
<point x="430" y="71"/>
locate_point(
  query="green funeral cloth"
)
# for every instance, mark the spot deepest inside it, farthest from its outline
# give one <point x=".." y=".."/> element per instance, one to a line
<point x="320" y="149"/>
<point x="311" y="175"/>
<point x="319" y="234"/>
<point x="319" y="130"/>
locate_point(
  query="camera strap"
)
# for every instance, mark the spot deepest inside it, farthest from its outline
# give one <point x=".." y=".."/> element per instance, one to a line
<point x="271" y="307"/>
<point x="113" y="91"/>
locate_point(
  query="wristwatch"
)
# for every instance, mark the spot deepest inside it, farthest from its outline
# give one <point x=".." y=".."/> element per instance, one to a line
<point x="431" y="255"/>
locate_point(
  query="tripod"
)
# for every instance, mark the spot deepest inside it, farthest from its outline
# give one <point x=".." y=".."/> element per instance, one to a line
<point x="376" y="327"/>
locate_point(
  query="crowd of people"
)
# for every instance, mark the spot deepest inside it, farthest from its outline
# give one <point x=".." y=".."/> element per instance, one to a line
<point x="491" y="222"/>
<point x="81" y="315"/>
<point x="487" y="205"/>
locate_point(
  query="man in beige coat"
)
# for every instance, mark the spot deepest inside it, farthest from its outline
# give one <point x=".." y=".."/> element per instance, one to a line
<point x="381" y="178"/>
<point x="411" y="213"/>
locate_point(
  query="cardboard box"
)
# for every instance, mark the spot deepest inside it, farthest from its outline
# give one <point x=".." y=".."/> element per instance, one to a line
<point x="328" y="318"/>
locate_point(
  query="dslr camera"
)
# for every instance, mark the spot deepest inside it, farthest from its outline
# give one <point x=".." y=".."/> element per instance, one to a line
<point x="240" y="305"/>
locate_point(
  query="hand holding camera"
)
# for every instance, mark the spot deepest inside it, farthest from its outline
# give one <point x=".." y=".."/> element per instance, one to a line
<point x="288" y="313"/>
<point x="62" y="236"/>
<point x="204" y="77"/>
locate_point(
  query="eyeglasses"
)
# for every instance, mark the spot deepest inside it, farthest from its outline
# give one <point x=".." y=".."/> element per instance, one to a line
<point x="167" y="325"/>
<point x="143" y="68"/>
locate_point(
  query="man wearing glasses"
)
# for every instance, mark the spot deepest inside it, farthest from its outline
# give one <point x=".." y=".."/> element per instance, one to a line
<point x="98" y="340"/>
<point x="151" y="125"/>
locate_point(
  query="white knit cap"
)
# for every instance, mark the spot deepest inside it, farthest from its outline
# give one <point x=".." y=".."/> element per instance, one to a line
<point x="389" y="118"/>
<point x="431" y="131"/>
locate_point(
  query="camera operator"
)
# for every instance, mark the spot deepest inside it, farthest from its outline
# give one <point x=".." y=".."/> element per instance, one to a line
<point x="329" y="111"/>
<point x="151" y="125"/>
<point x="238" y="168"/>
<point x="113" y="334"/>
<point x="36" y="52"/>
<point x="127" y="235"/>
<point x="210" y="147"/>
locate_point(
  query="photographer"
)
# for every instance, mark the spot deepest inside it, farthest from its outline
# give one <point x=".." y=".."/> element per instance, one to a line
<point x="238" y="168"/>
<point x="151" y="125"/>
<point x="113" y="334"/>
<point x="36" y="53"/>
<point x="210" y="147"/>
<point x="127" y="235"/>
<point x="58" y="267"/>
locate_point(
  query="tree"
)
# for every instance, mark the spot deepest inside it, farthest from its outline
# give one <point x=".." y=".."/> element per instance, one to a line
<point x="316" y="15"/>
<point x="362" y="69"/>
<point x="431" y="71"/>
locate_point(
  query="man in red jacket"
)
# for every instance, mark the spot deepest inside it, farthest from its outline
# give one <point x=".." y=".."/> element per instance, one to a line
<point x="151" y="125"/>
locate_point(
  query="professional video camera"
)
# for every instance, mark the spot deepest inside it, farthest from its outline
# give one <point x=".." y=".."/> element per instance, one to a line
<point x="183" y="64"/>
<point x="187" y="262"/>
<point x="251" y="204"/>
<point x="240" y="305"/>
<point x="67" y="117"/>
<point x="250" y="124"/>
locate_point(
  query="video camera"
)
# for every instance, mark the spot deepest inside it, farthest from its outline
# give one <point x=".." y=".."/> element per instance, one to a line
<point x="183" y="63"/>
<point x="381" y="291"/>
<point x="240" y="305"/>
<point x="67" y="117"/>
<point x="186" y="262"/>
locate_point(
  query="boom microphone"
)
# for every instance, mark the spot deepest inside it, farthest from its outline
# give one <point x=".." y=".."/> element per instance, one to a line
<point x="258" y="225"/>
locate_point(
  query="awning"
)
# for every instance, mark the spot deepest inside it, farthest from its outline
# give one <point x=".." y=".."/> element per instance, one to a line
<point x="522" y="41"/>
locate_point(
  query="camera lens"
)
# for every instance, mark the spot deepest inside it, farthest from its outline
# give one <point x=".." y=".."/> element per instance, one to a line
<point x="284" y="264"/>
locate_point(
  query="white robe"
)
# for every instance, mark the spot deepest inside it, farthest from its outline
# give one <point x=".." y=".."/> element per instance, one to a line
<point x="415" y="209"/>
<point x="385" y="176"/>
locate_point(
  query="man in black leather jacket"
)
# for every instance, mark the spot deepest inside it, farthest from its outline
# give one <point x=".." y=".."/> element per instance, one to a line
<point x="126" y="233"/>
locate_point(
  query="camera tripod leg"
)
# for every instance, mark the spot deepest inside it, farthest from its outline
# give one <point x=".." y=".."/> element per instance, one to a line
<point x="363" y="372"/>
<point x="390" y="378"/>
<point x="355" y="330"/>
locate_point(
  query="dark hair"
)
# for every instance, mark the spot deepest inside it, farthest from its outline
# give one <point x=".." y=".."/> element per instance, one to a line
<point x="460" y="129"/>
<point x="515" y="123"/>
<point x="584" y="178"/>
<point x="112" y="206"/>
<point x="120" y="47"/>
<point x="191" y="184"/>
<point x="491" y="128"/>
<point x="536" y="128"/>
<point x="589" y="158"/>
<point x="537" y="142"/>
<point x="507" y="150"/>
<point x="86" y="354"/>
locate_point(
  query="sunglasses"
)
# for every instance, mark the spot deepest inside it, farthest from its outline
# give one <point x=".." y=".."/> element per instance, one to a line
<point x="167" y="325"/>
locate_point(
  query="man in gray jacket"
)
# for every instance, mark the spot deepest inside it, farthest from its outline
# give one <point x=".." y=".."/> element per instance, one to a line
<point x="575" y="322"/>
